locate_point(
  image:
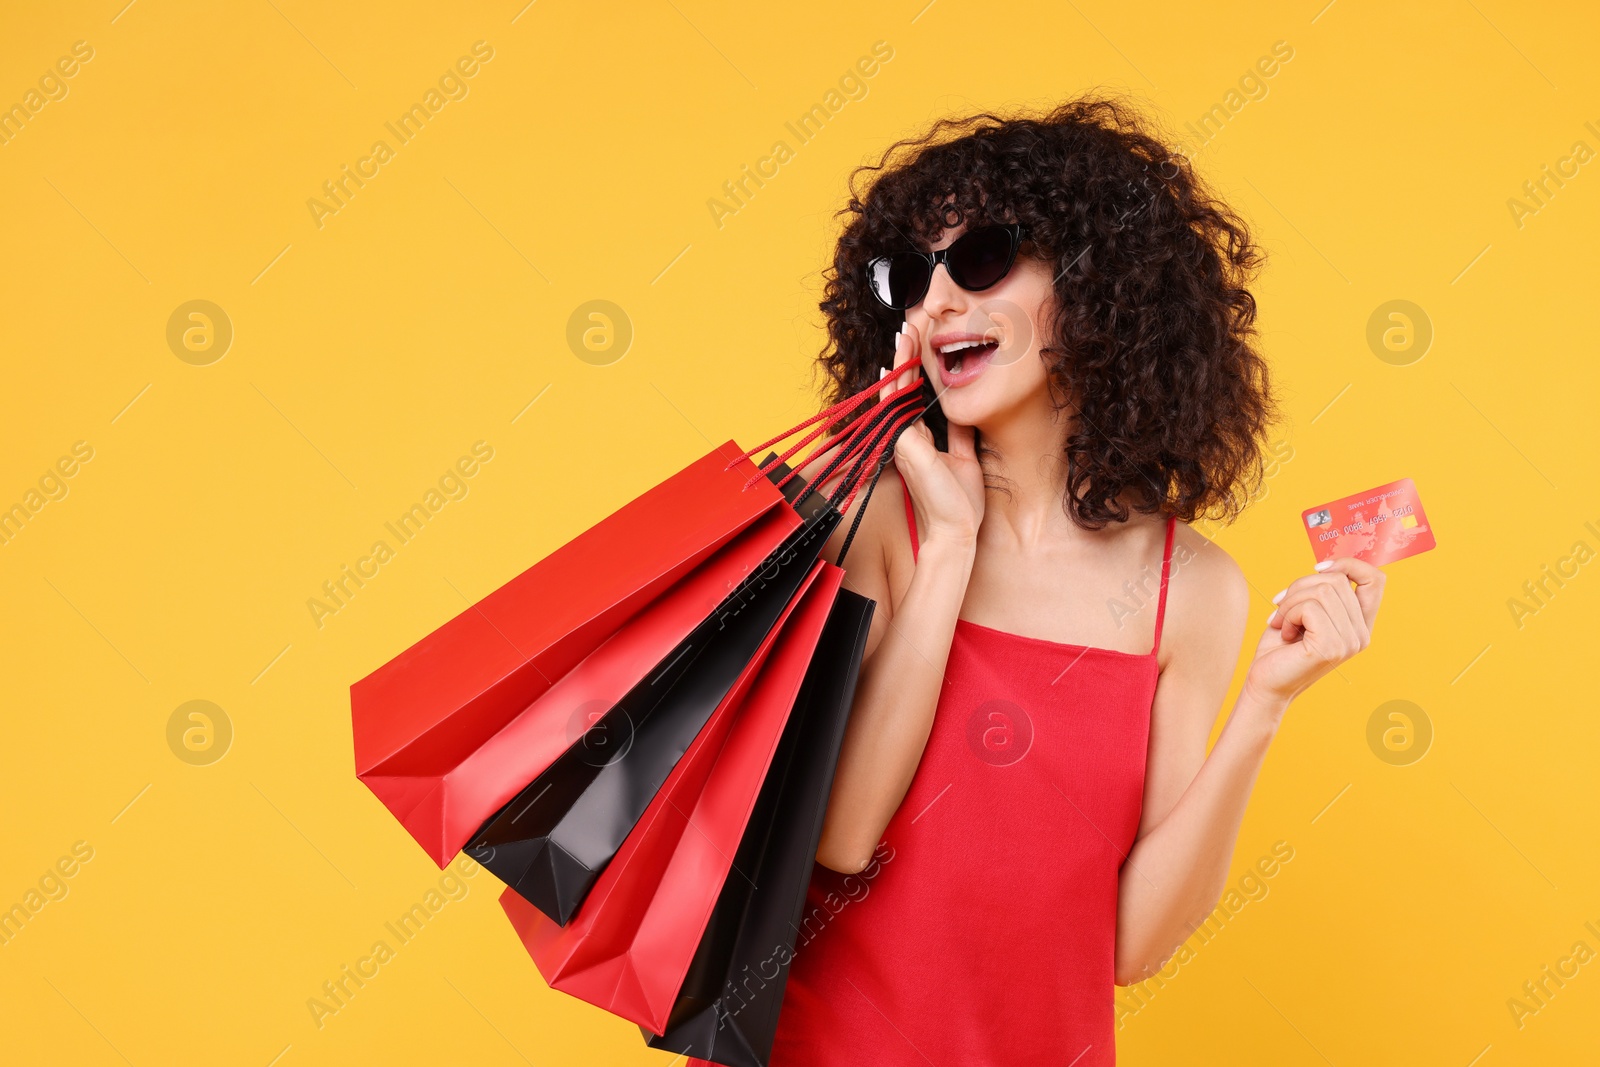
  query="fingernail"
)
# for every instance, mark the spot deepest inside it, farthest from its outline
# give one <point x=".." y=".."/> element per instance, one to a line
<point x="905" y="326"/>
<point x="882" y="372"/>
<point x="1324" y="565"/>
<point x="1279" y="596"/>
<point x="1274" y="615"/>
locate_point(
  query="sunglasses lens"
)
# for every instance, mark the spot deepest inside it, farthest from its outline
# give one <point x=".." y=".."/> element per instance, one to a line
<point x="899" y="280"/>
<point x="981" y="258"/>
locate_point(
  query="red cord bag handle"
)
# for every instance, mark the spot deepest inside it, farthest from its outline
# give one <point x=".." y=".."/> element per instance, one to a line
<point x="864" y="448"/>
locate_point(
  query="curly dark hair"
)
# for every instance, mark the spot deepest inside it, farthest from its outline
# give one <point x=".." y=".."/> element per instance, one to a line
<point x="1152" y="329"/>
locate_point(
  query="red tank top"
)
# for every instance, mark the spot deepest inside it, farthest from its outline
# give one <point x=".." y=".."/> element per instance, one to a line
<point x="983" y="932"/>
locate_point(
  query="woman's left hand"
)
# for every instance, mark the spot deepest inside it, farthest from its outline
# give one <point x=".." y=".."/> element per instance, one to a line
<point x="1321" y="621"/>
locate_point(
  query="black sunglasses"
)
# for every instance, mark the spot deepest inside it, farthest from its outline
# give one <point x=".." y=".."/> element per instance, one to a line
<point x="977" y="260"/>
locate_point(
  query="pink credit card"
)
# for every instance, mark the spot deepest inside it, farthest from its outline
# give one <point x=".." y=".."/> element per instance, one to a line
<point x="1380" y="525"/>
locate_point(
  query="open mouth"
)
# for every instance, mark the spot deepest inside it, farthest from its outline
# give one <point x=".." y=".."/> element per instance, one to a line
<point x="961" y="361"/>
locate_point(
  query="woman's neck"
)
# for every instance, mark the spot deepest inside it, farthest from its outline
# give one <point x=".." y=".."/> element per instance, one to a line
<point x="1024" y="454"/>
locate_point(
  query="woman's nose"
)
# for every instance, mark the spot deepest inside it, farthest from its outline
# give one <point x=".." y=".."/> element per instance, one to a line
<point x="943" y="293"/>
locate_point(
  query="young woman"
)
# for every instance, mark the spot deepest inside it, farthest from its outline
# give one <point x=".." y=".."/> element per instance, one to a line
<point x="1024" y="811"/>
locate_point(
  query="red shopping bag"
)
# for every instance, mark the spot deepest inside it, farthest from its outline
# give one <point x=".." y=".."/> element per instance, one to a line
<point x="551" y="842"/>
<point x="721" y="1015"/>
<point x="419" y="716"/>
<point x="562" y="716"/>
<point x="631" y="943"/>
<point x="447" y="732"/>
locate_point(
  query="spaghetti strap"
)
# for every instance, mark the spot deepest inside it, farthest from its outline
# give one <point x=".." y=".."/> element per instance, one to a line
<point x="1166" y="571"/>
<point x="911" y="518"/>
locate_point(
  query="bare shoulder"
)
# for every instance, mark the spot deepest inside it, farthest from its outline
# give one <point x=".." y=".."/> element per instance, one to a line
<point x="1208" y="599"/>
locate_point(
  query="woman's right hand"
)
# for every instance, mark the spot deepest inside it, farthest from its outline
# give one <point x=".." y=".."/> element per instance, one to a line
<point x="902" y="672"/>
<point x="946" y="487"/>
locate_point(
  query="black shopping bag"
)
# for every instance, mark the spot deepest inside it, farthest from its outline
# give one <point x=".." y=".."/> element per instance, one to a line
<point x="727" y="1010"/>
<point x="554" y="838"/>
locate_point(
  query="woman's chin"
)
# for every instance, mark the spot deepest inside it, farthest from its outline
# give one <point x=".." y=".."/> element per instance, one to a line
<point x="968" y="406"/>
<point x="992" y="400"/>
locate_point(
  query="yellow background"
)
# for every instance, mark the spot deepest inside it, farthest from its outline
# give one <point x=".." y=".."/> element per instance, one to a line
<point x="429" y="312"/>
